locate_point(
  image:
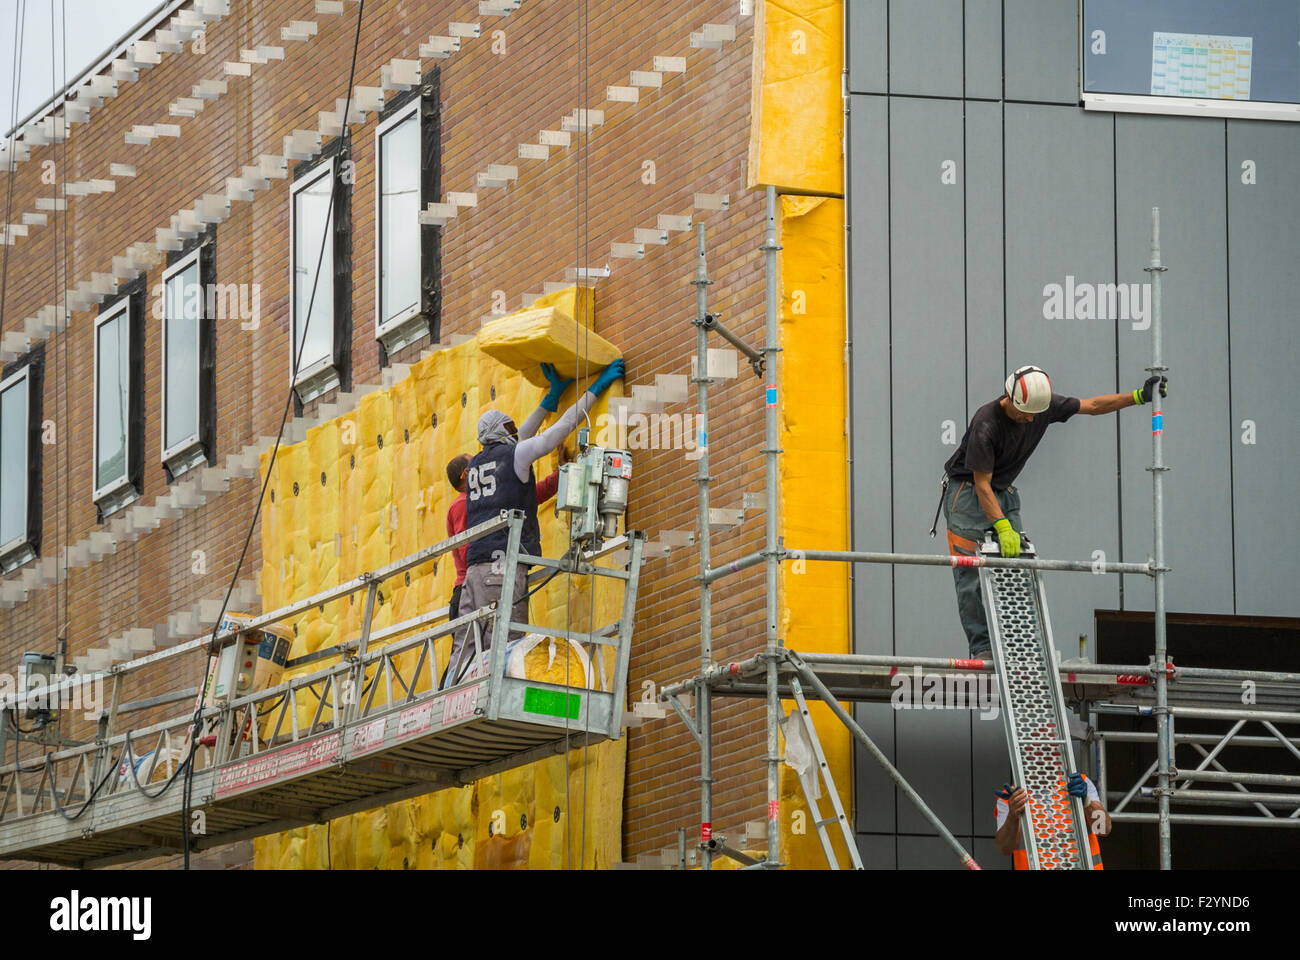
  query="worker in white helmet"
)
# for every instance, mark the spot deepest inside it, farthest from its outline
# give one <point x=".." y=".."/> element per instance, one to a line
<point x="978" y="491"/>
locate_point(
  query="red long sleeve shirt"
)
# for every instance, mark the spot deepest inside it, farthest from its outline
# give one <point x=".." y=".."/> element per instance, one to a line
<point x="458" y="520"/>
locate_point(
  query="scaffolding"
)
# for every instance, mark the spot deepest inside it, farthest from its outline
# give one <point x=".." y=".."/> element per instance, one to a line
<point x="1156" y="690"/>
<point x="381" y="729"/>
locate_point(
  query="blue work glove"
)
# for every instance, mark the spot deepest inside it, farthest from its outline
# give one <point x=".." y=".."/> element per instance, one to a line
<point x="558" y="384"/>
<point x="1076" y="786"/>
<point x="607" y="376"/>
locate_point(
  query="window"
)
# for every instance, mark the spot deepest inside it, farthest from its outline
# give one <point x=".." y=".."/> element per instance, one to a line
<point x="20" y="461"/>
<point x="1226" y="58"/>
<point x="188" y="407"/>
<point x="406" y="253"/>
<point x="320" y="305"/>
<point x="118" y="408"/>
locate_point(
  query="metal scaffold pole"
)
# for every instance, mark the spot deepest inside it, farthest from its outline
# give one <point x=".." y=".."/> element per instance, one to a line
<point x="772" y="547"/>
<point x="1158" y="468"/>
<point x="703" y="699"/>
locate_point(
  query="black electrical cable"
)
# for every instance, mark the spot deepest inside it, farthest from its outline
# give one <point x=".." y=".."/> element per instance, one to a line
<point x="284" y="417"/>
<point x="130" y="762"/>
<point x="90" y="799"/>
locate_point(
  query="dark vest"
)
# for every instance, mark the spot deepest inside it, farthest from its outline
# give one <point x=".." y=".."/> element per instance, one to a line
<point x="491" y="486"/>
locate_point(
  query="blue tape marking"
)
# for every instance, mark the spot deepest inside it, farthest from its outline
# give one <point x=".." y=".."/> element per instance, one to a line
<point x="1157" y="422"/>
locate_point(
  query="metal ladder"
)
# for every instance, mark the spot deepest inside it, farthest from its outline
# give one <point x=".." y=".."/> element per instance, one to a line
<point x="1033" y="714"/>
<point x="803" y="753"/>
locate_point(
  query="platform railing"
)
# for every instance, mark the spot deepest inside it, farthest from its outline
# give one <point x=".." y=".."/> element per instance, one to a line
<point x="366" y="681"/>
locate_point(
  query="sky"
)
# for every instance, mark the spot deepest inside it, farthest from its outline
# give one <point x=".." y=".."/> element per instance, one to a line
<point x="92" y="27"/>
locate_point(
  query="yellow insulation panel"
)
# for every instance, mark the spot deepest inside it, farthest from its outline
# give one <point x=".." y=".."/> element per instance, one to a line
<point x="795" y="138"/>
<point x="385" y="494"/>
<point x="814" y="483"/>
<point x="526" y="339"/>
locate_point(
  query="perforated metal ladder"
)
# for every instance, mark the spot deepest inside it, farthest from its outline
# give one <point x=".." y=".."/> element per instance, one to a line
<point x="1033" y="713"/>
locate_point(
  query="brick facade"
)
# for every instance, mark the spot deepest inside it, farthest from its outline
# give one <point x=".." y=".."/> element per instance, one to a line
<point x="695" y="130"/>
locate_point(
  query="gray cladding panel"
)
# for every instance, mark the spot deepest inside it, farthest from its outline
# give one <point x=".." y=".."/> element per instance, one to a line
<point x="872" y="594"/>
<point x="925" y="47"/>
<point x="929" y="853"/>
<point x="985" y="342"/>
<point x="1060" y="224"/>
<point x="878" y="851"/>
<point x="868" y="46"/>
<point x="1263" y="240"/>
<point x="874" y="793"/>
<point x="928" y="308"/>
<point x="1177" y="165"/>
<point x="934" y="755"/>
<point x="983" y="28"/>
<point x="1042" y="50"/>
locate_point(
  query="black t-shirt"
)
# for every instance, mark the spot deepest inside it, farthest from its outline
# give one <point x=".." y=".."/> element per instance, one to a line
<point x="996" y="444"/>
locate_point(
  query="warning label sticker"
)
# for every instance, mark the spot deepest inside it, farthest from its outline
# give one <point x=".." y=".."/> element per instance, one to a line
<point x="413" y="722"/>
<point x="280" y="764"/>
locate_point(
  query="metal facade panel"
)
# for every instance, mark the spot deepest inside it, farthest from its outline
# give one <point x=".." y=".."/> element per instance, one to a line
<point x="983" y="29"/>
<point x="868" y="46"/>
<point x="875" y="798"/>
<point x="929" y="853"/>
<point x="985" y="317"/>
<point x="1042" y="50"/>
<point x="878" y="851"/>
<point x="1263" y="239"/>
<point x="925" y="47"/>
<point x="927" y="299"/>
<point x="872" y="595"/>
<point x="1197" y="441"/>
<point x="1060" y="224"/>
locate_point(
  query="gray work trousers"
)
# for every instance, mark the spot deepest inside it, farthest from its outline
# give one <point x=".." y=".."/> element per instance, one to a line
<point x="483" y="587"/>
<point x="966" y="525"/>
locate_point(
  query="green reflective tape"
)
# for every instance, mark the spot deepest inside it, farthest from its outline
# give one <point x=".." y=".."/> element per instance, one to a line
<point x="551" y="702"/>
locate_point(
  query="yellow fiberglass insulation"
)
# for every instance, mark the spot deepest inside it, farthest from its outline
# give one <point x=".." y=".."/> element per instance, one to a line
<point x="369" y="487"/>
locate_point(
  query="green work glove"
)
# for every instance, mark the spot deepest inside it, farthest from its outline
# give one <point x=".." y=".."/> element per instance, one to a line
<point x="1144" y="393"/>
<point x="1007" y="538"/>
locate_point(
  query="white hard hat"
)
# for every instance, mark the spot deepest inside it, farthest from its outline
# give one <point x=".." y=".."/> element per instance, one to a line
<point x="1029" y="390"/>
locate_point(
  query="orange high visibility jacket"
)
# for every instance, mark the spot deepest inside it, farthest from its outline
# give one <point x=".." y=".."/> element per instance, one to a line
<point x="1020" y="857"/>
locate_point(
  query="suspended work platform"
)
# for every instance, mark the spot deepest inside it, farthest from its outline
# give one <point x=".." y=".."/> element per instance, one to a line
<point x="121" y="797"/>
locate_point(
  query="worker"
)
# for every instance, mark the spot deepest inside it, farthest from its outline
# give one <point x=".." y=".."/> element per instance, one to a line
<point x="457" y="468"/>
<point x="1010" y="807"/>
<point x="500" y="477"/>
<point x="1001" y="436"/>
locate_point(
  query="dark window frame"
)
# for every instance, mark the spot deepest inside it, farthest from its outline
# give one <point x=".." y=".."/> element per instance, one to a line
<point x="108" y="500"/>
<point x="424" y="100"/>
<point x="335" y="370"/>
<point x="203" y="449"/>
<point x="31" y="368"/>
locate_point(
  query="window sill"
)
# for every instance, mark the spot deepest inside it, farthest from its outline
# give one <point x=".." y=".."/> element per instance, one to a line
<point x="184" y="459"/>
<point x="117" y="500"/>
<point x="402" y="333"/>
<point x="316" y="383"/>
<point x="16" y="555"/>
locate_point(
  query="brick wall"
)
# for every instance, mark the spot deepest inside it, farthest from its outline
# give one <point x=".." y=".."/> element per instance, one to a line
<point x="695" y="130"/>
